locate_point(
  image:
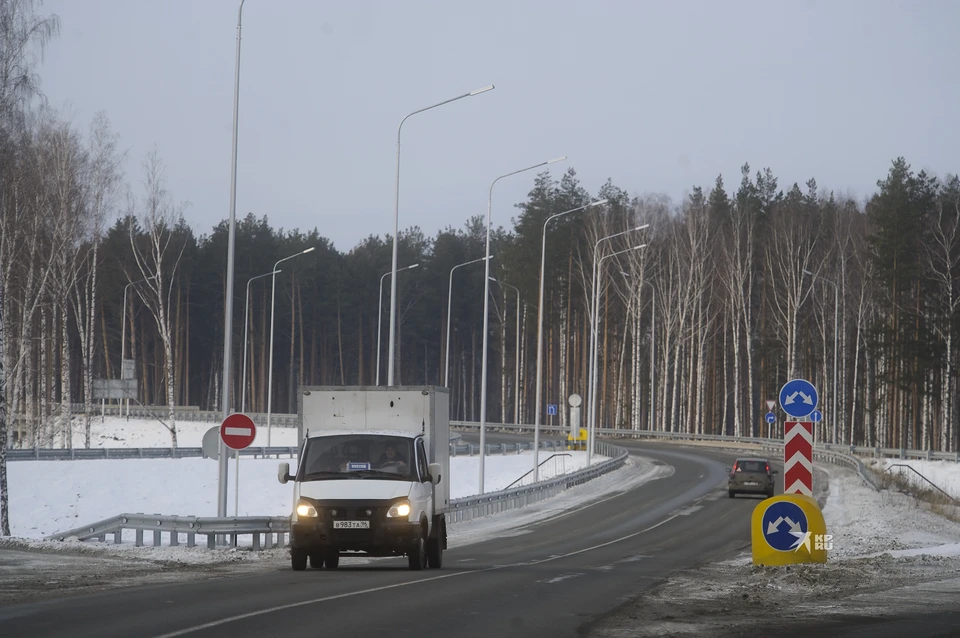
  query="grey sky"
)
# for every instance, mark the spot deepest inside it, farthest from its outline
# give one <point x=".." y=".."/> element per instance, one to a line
<point x="656" y="96"/>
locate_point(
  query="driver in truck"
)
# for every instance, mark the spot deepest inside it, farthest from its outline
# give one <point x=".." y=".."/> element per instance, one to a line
<point x="391" y="457"/>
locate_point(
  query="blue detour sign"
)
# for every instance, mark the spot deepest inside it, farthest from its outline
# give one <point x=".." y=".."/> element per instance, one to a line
<point x="552" y="409"/>
<point x="784" y="525"/>
<point x="798" y="398"/>
<point x="771" y="417"/>
<point x="788" y="529"/>
<point x="816" y="416"/>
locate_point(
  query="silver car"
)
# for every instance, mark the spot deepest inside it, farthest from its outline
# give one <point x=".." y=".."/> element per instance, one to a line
<point x="751" y="476"/>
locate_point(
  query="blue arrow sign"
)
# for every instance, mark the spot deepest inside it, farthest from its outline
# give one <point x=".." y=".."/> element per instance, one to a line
<point x="816" y="416"/>
<point x="771" y="417"/>
<point x="552" y="409"/>
<point x="784" y="526"/>
<point x="798" y="398"/>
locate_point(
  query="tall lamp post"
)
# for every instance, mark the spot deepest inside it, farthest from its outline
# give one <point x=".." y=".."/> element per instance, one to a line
<point x="653" y="331"/>
<point x="836" y="343"/>
<point x="228" y="296"/>
<point x="592" y="415"/>
<point x="273" y="296"/>
<point x="246" y="321"/>
<point x="539" y="391"/>
<point x="446" y="356"/>
<point x="123" y="333"/>
<point x="396" y="229"/>
<point x="596" y="311"/>
<point x="380" y="314"/>
<point x="486" y="315"/>
<point x="516" y="372"/>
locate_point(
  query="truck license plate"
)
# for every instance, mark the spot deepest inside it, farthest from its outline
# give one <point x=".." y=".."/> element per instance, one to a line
<point x="351" y="524"/>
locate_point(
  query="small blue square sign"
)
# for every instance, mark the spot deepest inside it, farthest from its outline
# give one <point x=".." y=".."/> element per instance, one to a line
<point x="551" y="409"/>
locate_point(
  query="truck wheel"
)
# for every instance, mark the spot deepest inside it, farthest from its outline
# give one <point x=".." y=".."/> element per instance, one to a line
<point x="298" y="559"/>
<point x="332" y="559"/>
<point x="417" y="557"/>
<point x="434" y="553"/>
<point x="316" y="560"/>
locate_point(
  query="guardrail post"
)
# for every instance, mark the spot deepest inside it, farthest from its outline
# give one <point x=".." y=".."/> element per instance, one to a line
<point x="118" y="536"/>
<point x="256" y="541"/>
<point x="174" y="539"/>
<point x="503" y="449"/>
<point x="156" y="538"/>
<point x="903" y="453"/>
<point x="139" y="539"/>
<point x="211" y="541"/>
<point x="928" y="455"/>
<point x="191" y="539"/>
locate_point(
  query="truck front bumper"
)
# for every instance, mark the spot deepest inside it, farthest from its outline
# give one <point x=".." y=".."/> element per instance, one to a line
<point x="384" y="537"/>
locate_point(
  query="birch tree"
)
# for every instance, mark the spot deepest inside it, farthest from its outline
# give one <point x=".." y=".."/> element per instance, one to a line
<point x="157" y="261"/>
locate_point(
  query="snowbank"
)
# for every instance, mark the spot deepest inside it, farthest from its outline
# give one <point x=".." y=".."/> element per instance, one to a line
<point x="943" y="474"/>
<point x="53" y="496"/>
<point x="119" y="432"/>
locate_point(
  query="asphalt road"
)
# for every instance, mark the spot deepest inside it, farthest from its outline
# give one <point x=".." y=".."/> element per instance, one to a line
<point x="554" y="579"/>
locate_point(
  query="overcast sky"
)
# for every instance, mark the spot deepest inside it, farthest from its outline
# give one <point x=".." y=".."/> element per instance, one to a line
<point x="657" y="96"/>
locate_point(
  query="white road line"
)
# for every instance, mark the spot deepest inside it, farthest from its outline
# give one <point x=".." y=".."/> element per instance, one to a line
<point x="303" y="603"/>
<point x="558" y="579"/>
<point x="466" y="560"/>
<point x="634" y="558"/>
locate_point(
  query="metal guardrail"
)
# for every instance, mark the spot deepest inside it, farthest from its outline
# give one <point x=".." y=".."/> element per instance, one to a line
<point x="272" y="528"/>
<point x="78" y="454"/>
<point x="928" y="481"/>
<point x="468" y="508"/>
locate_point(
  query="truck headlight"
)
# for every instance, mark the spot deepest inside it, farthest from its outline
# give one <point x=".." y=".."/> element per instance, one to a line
<point x="306" y="510"/>
<point x="399" y="510"/>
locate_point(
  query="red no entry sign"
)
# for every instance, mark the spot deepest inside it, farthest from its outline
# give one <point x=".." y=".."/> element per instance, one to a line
<point x="238" y="431"/>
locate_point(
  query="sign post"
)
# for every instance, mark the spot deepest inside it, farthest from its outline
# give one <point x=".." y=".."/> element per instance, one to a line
<point x="799" y="399"/>
<point x="237" y="432"/>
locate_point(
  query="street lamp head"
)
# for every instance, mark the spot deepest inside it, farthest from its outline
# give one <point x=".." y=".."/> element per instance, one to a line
<point x="639" y="247"/>
<point x="642" y="227"/>
<point x="557" y="159"/>
<point x="309" y="250"/>
<point x="597" y="203"/>
<point x="807" y="272"/>
<point x="412" y="266"/>
<point x="489" y="87"/>
<point x="493" y="279"/>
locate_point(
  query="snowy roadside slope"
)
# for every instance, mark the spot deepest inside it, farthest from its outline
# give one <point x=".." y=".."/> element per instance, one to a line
<point x="943" y="474"/>
<point x="886" y="548"/>
<point x="119" y="432"/>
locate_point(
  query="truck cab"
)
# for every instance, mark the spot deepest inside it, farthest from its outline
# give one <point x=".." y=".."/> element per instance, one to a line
<point x="370" y="479"/>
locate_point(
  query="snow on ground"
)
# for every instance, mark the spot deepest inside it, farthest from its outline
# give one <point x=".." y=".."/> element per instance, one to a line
<point x="54" y="496"/>
<point x="887" y="547"/>
<point x="117" y="431"/>
<point x="943" y="474"/>
<point x="501" y="470"/>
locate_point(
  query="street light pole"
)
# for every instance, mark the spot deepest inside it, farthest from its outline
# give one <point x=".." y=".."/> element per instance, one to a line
<point x="836" y="344"/>
<point x="653" y="331"/>
<point x="591" y="426"/>
<point x="123" y="334"/>
<point x="380" y="315"/>
<point x="591" y="417"/>
<point x="486" y="315"/>
<point x="516" y="371"/>
<point x="246" y="321"/>
<point x="446" y="357"/>
<point x="273" y="296"/>
<point x="539" y="392"/>
<point x="222" y="476"/>
<point x="396" y="229"/>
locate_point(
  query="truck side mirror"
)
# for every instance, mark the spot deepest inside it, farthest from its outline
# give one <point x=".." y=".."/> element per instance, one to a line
<point x="283" y="474"/>
<point x="435" y="475"/>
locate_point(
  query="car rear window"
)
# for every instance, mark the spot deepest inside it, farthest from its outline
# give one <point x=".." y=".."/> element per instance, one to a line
<point x="751" y="466"/>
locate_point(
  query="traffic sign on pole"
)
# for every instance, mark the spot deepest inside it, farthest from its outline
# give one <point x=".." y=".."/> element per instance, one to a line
<point x="770" y="404"/>
<point x="238" y="431"/>
<point x="798" y="398"/>
<point x="771" y="417"/>
<point x="552" y="409"/>
<point x="816" y="416"/>
<point x="798" y="457"/>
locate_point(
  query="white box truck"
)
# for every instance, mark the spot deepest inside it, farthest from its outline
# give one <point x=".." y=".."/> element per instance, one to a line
<point x="372" y="475"/>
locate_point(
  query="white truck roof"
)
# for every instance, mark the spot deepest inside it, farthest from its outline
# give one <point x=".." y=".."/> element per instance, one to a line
<point x="397" y="433"/>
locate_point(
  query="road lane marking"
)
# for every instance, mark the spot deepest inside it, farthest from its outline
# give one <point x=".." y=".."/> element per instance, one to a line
<point x="324" y="599"/>
<point x="634" y="558"/>
<point x="551" y="581"/>
<point x="466" y="560"/>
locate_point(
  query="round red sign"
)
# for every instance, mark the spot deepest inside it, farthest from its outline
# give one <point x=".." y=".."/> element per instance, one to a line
<point x="238" y="431"/>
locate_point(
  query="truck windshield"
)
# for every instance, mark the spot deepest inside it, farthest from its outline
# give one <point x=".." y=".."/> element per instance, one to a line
<point x="357" y="456"/>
